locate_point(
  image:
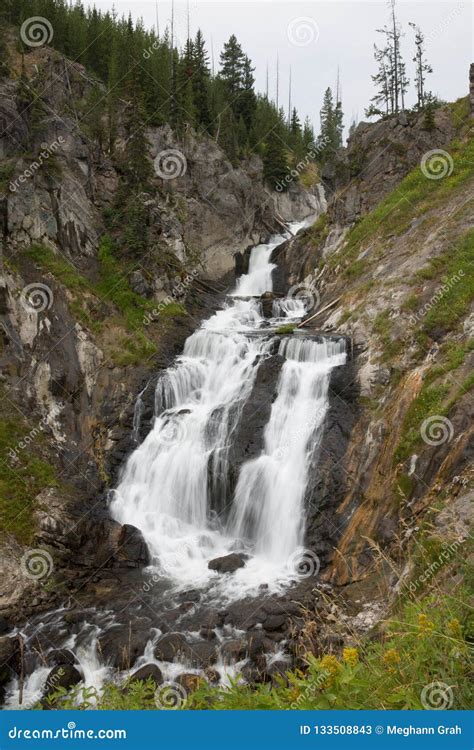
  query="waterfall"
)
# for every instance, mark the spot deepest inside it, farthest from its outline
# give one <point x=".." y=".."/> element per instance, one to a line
<point x="268" y="508"/>
<point x="174" y="486"/>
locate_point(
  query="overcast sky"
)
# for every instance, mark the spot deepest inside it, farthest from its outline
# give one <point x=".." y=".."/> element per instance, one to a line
<point x="314" y="38"/>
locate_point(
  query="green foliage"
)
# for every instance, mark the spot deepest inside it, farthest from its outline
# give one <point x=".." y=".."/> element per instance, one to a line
<point x="382" y="326"/>
<point x="330" y="137"/>
<point x="275" y="165"/>
<point x="161" y="83"/>
<point x="287" y="328"/>
<point x="7" y="170"/>
<point x="23" y="473"/>
<point x="429" y="402"/>
<point x="457" y="291"/>
<point x="412" y="198"/>
<point x="112" y="289"/>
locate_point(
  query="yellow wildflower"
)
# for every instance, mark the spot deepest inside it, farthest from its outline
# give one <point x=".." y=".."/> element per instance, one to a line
<point x="330" y="666"/>
<point x="454" y="628"/>
<point x="391" y="658"/>
<point x="350" y="656"/>
<point x="425" y="625"/>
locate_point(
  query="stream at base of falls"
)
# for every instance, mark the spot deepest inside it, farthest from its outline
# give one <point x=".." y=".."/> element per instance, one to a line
<point x="177" y="489"/>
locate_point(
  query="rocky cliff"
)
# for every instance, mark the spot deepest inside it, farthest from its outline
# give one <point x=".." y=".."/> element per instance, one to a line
<point x="390" y="266"/>
<point x="86" y="327"/>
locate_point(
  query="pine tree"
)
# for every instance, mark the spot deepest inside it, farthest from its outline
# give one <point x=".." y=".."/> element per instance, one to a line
<point x="423" y="68"/>
<point x="308" y="134"/>
<point x="201" y="83"/>
<point x="391" y="76"/>
<point x="227" y="134"/>
<point x="381" y="101"/>
<point x="331" y="117"/>
<point x="429" y="122"/>
<point x="232" y="67"/>
<point x="247" y="100"/>
<point x="275" y="167"/>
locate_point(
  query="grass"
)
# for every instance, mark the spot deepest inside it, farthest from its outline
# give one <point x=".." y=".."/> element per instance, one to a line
<point x="382" y="326"/>
<point x="23" y="472"/>
<point x="112" y="288"/>
<point x="457" y="291"/>
<point x="411" y="199"/>
<point x="318" y="232"/>
<point x="433" y="397"/>
<point x="429" y="402"/>
<point x="287" y="328"/>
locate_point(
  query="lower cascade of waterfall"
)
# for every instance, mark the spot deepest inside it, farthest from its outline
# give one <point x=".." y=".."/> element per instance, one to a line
<point x="175" y="487"/>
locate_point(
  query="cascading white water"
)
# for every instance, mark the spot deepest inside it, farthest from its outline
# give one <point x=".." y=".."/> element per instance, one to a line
<point x="174" y="486"/>
<point x="268" y="506"/>
<point x="259" y="278"/>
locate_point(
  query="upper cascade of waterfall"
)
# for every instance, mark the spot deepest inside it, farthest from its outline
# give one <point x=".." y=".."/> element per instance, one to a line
<point x="258" y="280"/>
<point x="175" y="486"/>
<point x="310" y="350"/>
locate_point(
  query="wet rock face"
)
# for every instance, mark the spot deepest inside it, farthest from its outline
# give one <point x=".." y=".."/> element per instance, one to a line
<point x="248" y="440"/>
<point x="328" y="479"/>
<point x="61" y="676"/>
<point x="131" y="547"/>
<point x="148" y="672"/>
